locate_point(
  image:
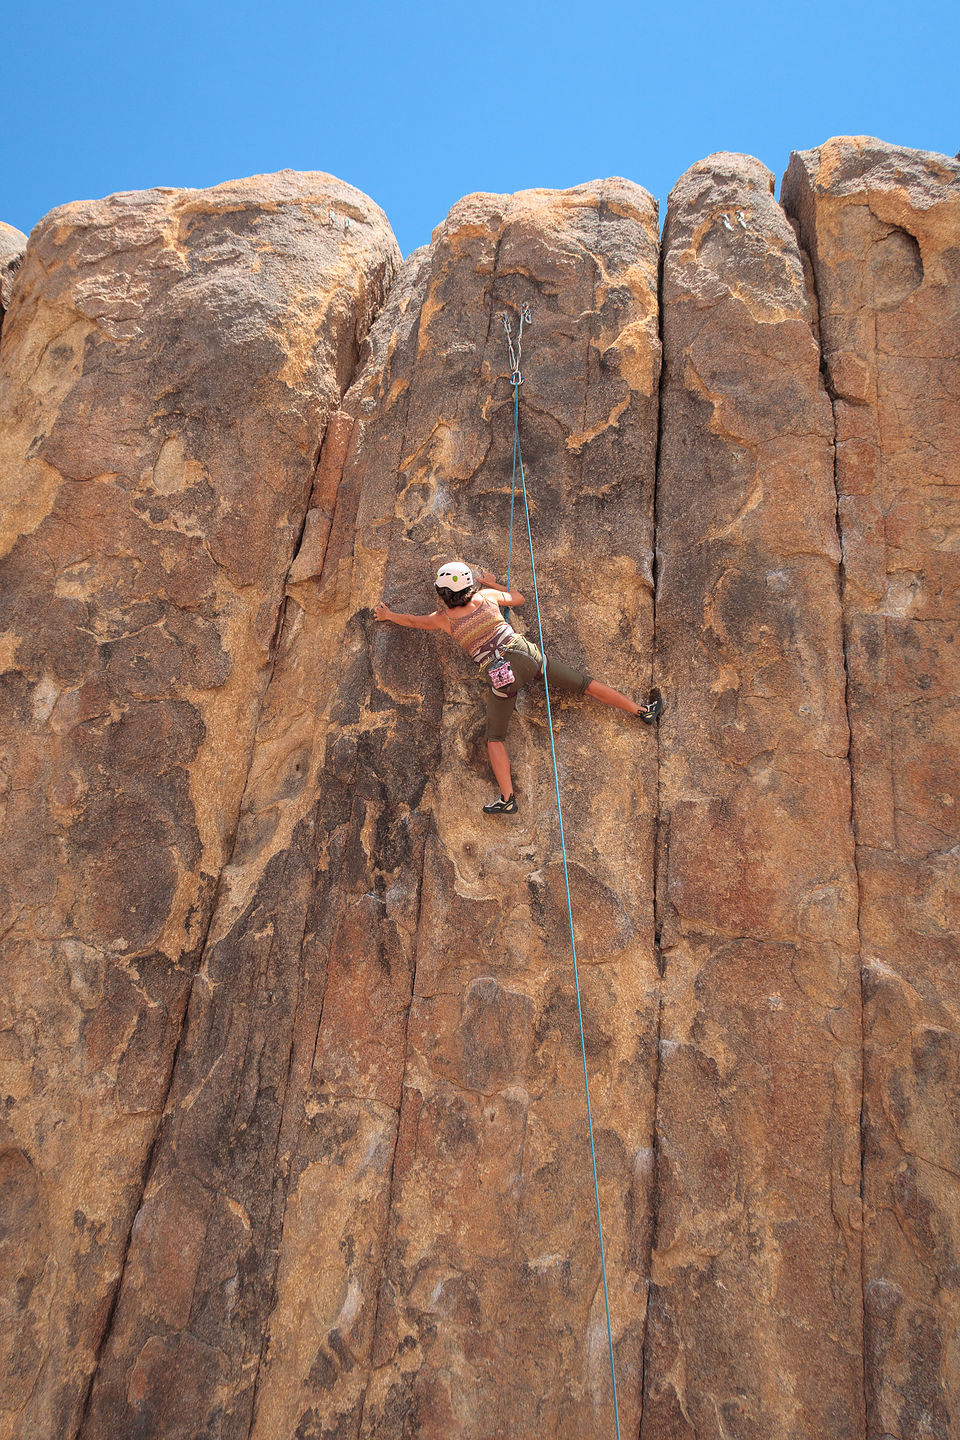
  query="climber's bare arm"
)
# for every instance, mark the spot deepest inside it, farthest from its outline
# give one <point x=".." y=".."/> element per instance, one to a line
<point x="497" y="592"/>
<point x="436" y="620"/>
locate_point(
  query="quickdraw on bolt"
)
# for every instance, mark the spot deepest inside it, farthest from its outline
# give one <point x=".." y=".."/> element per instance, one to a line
<point x="516" y="376"/>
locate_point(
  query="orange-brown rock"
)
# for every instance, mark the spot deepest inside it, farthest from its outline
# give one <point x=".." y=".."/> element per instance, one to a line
<point x="755" y="1275"/>
<point x="882" y="226"/>
<point x="293" y="1142"/>
<point x="371" y="1211"/>
<point x="168" y="365"/>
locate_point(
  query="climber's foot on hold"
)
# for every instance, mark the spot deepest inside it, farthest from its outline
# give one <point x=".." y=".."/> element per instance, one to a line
<point x="650" y="712"/>
<point x="501" y="806"/>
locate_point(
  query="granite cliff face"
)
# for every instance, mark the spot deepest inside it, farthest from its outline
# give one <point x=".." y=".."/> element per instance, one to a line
<point x="169" y="363"/>
<point x="882" y="227"/>
<point x="293" y="1139"/>
<point x="755" y="1280"/>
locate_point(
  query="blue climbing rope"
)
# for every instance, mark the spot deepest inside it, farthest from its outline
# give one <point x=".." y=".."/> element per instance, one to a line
<point x="516" y="379"/>
<point x="513" y="486"/>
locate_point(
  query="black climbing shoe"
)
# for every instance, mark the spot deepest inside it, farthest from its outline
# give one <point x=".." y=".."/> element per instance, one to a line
<point x="651" y="712"/>
<point x="501" y="806"/>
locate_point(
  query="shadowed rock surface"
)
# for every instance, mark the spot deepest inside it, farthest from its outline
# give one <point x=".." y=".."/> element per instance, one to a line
<point x="13" y="242"/>
<point x="247" y="885"/>
<point x="882" y="226"/>
<point x="755" y="1280"/>
<point x="166" y="373"/>
<point x="387" y="982"/>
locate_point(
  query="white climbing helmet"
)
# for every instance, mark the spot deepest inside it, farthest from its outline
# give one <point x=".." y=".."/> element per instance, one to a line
<point x="454" y="576"/>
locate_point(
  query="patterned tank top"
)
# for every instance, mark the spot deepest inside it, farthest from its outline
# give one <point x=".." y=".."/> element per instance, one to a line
<point x="482" y="631"/>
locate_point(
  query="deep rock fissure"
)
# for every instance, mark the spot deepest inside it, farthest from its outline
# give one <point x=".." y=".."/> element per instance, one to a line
<point x="283" y="1184"/>
<point x="660" y="843"/>
<point x="388" y="1214"/>
<point x="147" y="1172"/>
<point x="201" y="949"/>
<point x="831" y="391"/>
<point x="391" y="1184"/>
<point x="276" y="1225"/>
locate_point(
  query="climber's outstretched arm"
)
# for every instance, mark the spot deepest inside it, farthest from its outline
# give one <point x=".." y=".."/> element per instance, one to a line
<point x="436" y="620"/>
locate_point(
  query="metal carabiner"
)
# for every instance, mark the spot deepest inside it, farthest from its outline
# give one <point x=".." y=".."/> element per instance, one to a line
<point x="525" y="312"/>
<point x="516" y="378"/>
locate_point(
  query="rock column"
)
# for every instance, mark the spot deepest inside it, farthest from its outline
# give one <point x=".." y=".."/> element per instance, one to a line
<point x="168" y="365"/>
<point x="754" y="1326"/>
<point x="882" y="227"/>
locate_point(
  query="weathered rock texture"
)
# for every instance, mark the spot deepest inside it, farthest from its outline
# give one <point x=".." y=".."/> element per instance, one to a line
<point x="12" y="245"/>
<point x="249" y="887"/>
<point x="387" y="984"/>
<point x="167" y="370"/>
<point x="882" y="227"/>
<point x="755" y="1299"/>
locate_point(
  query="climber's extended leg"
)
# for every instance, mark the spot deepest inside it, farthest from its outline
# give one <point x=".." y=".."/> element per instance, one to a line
<point x="649" y="712"/>
<point x="608" y="696"/>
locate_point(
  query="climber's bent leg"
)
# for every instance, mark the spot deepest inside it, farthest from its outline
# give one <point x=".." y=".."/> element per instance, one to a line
<point x="500" y="707"/>
<point x="500" y="764"/>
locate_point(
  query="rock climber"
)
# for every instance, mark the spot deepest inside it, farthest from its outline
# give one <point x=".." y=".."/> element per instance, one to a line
<point x="471" y="615"/>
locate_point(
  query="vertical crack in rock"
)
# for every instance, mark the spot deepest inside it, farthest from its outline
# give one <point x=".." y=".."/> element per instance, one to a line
<point x="289" y="1134"/>
<point x="292" y="895"/>
<point x="380" y="1310"/>
<point x="660" y="860"/>
<point x="139" y="1190"/>
<point x="882" y="227"/>
<point x="309" y="560"/>
<point x="811" y="278"/>
<point x="168" y="360"/>
<point x="754" y="1323"/>
<point x="383" y="1308"/>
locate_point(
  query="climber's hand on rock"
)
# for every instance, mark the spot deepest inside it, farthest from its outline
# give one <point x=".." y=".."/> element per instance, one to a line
<point x="381" y="612"/>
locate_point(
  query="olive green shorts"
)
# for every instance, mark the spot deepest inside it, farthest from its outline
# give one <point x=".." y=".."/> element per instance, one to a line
<point x="526" y="662"/>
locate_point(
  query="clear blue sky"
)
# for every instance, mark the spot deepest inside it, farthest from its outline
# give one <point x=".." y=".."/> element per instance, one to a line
<point x="419" y="103"/>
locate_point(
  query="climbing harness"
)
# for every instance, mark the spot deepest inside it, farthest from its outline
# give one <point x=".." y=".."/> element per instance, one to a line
<point x="516" y="380"/>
